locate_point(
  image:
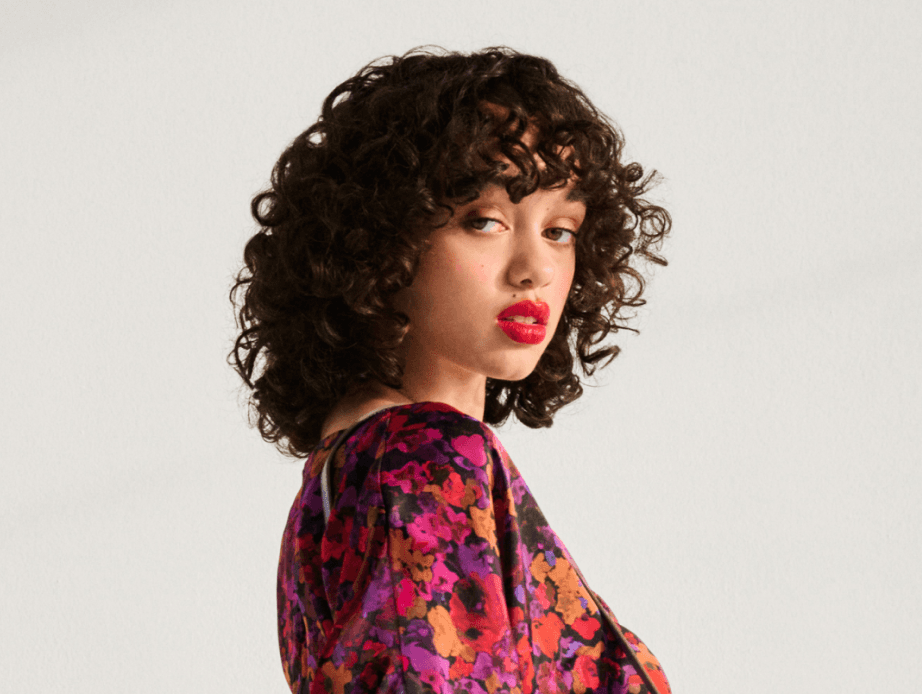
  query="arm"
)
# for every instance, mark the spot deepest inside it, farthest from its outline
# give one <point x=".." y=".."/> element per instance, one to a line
<point x="415" y="572"/>
<point x="444" y="574"/>
<point x="444" y="562"/>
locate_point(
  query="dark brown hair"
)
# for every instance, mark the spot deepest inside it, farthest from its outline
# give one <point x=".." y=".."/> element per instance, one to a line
<point x="353" y="198"/>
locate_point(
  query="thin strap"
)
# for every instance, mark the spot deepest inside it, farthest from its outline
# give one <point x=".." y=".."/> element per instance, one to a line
<point x="325" y="481"/>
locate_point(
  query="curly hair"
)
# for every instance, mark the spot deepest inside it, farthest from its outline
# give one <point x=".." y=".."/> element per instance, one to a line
<point x="354" y="197"/>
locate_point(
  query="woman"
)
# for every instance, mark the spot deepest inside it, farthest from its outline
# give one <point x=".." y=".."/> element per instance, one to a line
<point x="442" y="249"/>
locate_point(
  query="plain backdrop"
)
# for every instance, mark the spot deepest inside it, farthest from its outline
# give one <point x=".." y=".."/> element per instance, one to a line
<point x="743" y="486"/>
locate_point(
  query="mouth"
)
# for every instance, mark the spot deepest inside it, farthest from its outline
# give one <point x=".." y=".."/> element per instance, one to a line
<point x="526" y="313"/>
<point x="525" y="333"/>
<point x="525" y="322"/>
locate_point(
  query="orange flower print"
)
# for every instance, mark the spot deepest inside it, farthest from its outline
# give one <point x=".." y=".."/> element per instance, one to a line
<point x="547" y="633"/>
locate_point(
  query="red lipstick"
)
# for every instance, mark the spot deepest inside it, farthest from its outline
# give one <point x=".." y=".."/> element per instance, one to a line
<point x="527" y="333"/>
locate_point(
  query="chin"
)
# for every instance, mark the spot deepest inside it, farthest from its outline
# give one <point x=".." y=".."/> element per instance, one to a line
<point x="515" y="374"/>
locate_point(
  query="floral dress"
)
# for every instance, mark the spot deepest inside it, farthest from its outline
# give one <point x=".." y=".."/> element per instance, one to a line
<point x="437" y="572"/>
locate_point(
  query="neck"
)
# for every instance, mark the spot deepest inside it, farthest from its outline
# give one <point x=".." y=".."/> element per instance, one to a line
<point x="445" y="382"/>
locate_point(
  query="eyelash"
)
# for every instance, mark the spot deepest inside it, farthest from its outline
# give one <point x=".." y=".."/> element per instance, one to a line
<point x="474" y="221"/>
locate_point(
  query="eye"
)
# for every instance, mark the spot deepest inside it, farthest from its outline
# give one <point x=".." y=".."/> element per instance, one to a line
<point x="484" y="224"/>
<point x="562" y="235"/>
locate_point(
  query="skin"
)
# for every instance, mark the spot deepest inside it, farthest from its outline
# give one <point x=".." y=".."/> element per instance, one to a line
<point x="492" y="254"/>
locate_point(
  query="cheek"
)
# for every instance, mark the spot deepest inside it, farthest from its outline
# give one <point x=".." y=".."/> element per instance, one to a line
<point x="567" y="272"/>
<point x="459" y="271"/>
<point x="464" y="265"/>
<point x="562" y="286"/>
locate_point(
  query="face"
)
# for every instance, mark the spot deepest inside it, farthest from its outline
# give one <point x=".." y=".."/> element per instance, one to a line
<point x="486" y="282"/>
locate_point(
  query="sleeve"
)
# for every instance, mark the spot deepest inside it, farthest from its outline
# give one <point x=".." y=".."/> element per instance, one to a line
<point x="446" y="569"/>
<point x="430" y="613"/>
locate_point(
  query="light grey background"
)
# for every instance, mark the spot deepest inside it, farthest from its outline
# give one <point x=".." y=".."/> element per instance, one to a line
<point x="743" y="489"/>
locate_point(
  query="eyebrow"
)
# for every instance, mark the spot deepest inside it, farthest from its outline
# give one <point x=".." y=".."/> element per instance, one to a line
<point x="576" y="194"/>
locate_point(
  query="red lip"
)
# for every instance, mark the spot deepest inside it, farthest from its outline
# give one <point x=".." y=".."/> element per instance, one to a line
<point x="540" y="311"/>
<point x="527" y="333"/>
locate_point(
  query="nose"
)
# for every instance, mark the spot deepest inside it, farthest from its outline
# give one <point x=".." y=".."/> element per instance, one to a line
<point x="532" y="262"/>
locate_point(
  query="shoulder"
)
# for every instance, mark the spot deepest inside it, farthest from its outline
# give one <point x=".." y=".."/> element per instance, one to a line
<point x="429" y="434"/>
<point x="434" y="428"/>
